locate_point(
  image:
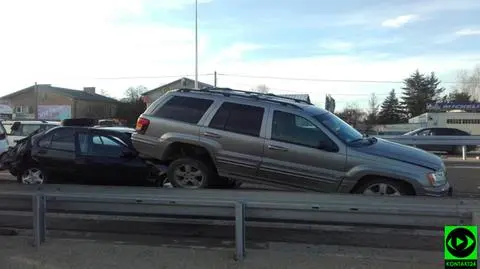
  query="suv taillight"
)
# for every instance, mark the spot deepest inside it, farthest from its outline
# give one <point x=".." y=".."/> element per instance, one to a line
<point x="142" y="125"/>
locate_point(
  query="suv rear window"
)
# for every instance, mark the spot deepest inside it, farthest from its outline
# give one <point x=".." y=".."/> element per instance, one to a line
<point x="185" y="109"/>
<point x="237" y="118"/>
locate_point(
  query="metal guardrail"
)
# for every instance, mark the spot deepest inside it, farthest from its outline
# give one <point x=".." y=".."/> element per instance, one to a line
<point x="464" y="141"/>
<point x="241" y="206"/>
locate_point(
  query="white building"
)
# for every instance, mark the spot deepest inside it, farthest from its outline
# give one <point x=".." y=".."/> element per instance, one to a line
<point x="466" y="121"/>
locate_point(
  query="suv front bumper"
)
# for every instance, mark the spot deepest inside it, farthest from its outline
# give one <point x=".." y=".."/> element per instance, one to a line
<point x="441" y="191"/>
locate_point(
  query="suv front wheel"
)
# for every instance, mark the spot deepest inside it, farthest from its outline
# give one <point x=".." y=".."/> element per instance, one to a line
<point x="189" y="173"/>
<point x="383" y="187"/>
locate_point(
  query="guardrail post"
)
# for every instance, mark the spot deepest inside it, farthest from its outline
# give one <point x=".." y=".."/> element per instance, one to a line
<point x="239" y="231"/>
<point x="39" y="224"/>
<point x="464" y="152"/>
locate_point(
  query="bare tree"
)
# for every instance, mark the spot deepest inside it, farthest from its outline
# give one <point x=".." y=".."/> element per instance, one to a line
<point x="105" y="93"/>
<point x="134" y="93"/>
<point x="372" y="112"/>
<point x="469" y="82"/>
<point x="262" y="88"/>
<point x="352" y="114"/>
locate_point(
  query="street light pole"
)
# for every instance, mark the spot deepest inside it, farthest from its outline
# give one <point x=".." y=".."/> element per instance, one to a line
<point x="196" y="44"/>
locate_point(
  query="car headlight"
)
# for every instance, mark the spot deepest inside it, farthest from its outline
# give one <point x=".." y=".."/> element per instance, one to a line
<point x="437" y="178"/>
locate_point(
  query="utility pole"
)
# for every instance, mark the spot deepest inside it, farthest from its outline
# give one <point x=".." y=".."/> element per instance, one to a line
<point x="196" y="44"/>
<point x="35" y="109"/>
<point x="215" y="79"/>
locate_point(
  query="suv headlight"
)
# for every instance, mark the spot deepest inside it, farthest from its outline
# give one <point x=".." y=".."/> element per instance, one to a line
<point x="437" y="178"/>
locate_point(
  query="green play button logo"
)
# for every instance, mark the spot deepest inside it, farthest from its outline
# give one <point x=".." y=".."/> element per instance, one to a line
<point x="460" y="246"/>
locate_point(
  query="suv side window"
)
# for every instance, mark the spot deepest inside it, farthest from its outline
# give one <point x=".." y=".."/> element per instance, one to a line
<point x="290" y="128"/>
<point x="185" y="109"/>
<point x="238" y="118"/>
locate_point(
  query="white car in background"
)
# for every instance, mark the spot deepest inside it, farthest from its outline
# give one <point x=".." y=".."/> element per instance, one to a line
<point x="17" y="130"/>
<point x="3" y="139"/>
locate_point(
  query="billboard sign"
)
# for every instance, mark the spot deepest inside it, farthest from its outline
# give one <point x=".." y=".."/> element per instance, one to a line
<point x="54" y="112"/>
<point x="438" y="107"/>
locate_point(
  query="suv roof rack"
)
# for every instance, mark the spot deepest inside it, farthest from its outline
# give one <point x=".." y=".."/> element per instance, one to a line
<point x="249" y="94"/>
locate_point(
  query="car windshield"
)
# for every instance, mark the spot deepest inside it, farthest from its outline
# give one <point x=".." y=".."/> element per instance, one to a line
<point x="340" y="128"/>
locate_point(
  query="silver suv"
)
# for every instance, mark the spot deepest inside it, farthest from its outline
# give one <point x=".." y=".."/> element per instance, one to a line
<point x="215" y="135"/>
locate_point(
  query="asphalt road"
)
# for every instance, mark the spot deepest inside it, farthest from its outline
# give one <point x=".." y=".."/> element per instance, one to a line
<point x="464" y="176"/>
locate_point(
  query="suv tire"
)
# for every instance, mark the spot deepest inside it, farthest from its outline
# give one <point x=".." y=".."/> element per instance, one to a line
<point x="190" y="173"/>
<point x="373" y="187"/>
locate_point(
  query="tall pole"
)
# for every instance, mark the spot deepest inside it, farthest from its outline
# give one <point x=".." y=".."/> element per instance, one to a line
<point x="35" y="109"/>
<point x="215" y="79"/>
<point x="196" y="44"/>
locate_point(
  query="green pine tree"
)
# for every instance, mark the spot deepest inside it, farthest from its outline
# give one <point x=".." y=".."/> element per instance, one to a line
<point x="391" y="110"/>
<point x="420" y="90"/>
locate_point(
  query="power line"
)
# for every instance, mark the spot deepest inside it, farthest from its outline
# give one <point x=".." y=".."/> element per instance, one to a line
<point x="154" y="77"/>
<point x="318" y="79"/>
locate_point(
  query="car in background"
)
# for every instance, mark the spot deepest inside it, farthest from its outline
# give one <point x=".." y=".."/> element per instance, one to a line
<point x="441" y="131"/>
<point x="17" y="130"/>
<point x="126" y="130"/>
<point x="82" y="155"/>
<point x="3" y="139"/>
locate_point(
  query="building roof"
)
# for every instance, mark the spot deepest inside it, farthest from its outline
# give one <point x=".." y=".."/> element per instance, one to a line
<point x="187" y="80"/>
<point x="304" y="97"/>
<point x="74" y="94"/>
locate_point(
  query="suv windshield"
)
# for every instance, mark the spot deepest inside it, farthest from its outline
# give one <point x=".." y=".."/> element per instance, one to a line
<point x="340" y="128"/>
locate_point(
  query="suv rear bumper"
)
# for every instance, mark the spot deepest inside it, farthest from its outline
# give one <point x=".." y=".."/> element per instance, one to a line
<point x="440" y="191"/>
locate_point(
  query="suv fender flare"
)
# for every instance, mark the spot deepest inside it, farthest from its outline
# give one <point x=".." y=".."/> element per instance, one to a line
<point x="357" y="173"/>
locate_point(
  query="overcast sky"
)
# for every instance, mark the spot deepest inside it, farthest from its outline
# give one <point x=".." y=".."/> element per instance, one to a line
<point x="77" y="43"/>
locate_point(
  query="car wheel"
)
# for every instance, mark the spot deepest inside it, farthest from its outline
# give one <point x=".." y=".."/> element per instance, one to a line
<point x="32" y="175"/>
<point x="383" y="187"/>
<point x="189" y="173"/>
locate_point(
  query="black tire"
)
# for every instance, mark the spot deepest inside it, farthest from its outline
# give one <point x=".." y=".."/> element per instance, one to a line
<point x="400" y="186"/>
<point x="206" y="170"/>
<point x="226" y="183"/>
<point x="20" y="175"/>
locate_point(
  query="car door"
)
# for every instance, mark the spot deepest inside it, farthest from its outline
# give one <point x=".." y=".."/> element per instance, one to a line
<point x="55" y="152"/>
<point x="299" y="153"/>
<point x="235" y="131"/>
<point x="111" y="160"/>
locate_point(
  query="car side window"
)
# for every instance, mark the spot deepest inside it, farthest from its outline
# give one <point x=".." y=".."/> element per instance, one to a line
<point x="291" y="128"/>
<point x="425" y="132"/>
<point x="63" y="139"/>
<point x="107" y="146"/>
<point x="184" y="109"/>
<point x="27" y="129"/>
<point x="238" y="118"/>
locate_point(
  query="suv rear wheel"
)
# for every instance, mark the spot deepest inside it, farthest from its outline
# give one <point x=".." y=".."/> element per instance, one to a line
<point x="190" y="173"/>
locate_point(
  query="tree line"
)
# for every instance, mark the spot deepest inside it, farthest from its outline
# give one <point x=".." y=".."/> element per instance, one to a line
<point x="418" y="90"/>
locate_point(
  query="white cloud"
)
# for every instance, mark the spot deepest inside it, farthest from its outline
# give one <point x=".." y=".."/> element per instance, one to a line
<point x="336" y="45"/>
<point x="57" y="41"/>
<point x="399" y="21"/>
<point x="467" y="32"/>
<point x="235" y="52"/>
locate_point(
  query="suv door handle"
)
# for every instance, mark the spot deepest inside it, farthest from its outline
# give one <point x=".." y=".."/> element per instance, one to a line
<point x="209" y="134"/>
<point x="272" y="147"/>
